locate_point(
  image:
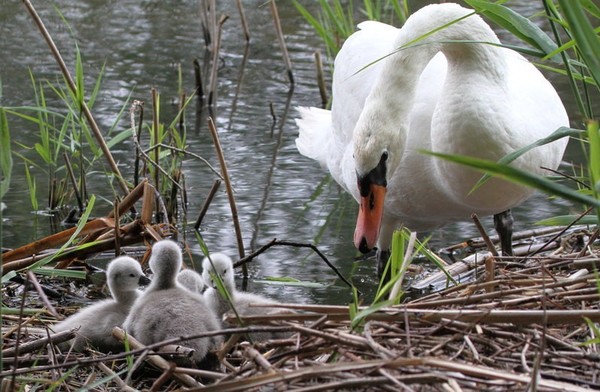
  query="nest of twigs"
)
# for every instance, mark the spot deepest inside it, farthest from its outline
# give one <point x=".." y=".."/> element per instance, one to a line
<point x="526" y="323"/>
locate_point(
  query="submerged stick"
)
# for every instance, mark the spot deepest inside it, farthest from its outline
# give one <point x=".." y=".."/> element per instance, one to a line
<point x="232" y="205"/>
<point x="84" y="108"/>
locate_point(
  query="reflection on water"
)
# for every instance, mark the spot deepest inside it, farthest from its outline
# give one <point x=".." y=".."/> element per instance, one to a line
<point x="279" y="193"/>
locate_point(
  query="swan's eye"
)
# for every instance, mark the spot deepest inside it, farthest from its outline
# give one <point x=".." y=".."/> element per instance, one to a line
<point x="384" y="156"/>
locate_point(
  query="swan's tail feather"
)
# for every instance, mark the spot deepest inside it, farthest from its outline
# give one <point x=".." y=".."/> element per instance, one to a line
<point x="314" y="126"/>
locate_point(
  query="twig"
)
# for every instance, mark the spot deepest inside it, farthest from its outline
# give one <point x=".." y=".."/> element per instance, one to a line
<point x="274" y="242"/>
<point x="484" y="235"/>
<point x="154" y="359"/>
<point x="185" y="152"/>
<point x="39" y="343"/>
<point x="32" y="278"/>
<point x="115" y="377"/>
<point x="232" y="205"/>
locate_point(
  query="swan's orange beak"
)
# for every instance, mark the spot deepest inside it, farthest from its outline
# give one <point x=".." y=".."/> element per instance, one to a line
<point x="369" y="218"/>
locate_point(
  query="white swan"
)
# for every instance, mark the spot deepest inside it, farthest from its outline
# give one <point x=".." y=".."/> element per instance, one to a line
<point x="96" y="321"/>
<point x="168" y="310"/>
<point x="242" y="301"/>
<point x="474" y="99"/>
<point x="191" y="280"/>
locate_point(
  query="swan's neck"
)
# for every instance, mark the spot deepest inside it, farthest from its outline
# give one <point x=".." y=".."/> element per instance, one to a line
<point x="163" y="283"/>
<point x="392" y="97"/>
<point x="126" y="297"/>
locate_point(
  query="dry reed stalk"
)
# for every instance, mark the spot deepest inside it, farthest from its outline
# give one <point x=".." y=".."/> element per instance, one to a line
<point x="484" y="235"/>
<point x="36" y="284"/>
<point x="54" y="240"/>
<point x="198" y="79"/>
<point x="39" y="343"/>
<point x="240" y="7"/>
<point x="230" y="196"/>
<point x="212" y="86"/>
<point x="281" y="39"/>
<point x="117" y="228"/>
<point x="73" y="181"/>
<point x="321" y="79"/>
<point x="211" y="194"/>
<point x="129" y="200"/>
<point x="84" y="108"/>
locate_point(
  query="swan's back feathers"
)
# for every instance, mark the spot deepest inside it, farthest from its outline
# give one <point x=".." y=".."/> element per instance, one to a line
<point x="171" y="313"/>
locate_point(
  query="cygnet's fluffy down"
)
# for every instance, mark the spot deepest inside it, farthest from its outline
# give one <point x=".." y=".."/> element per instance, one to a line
<point x="191" y="280"/>
<point x="242" y="301"/>
<point x="168" y="310"/>
<point x="96" y="321"/>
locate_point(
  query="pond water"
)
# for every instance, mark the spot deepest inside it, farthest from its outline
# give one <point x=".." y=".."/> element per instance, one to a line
<point x="279" y="193"/>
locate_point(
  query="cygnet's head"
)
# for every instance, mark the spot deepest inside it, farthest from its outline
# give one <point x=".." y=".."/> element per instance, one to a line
<point x="165" y="262"/>
<point x="125" y="274"/>
<point x="223" y="266"/>
<point x="191" y="280"/>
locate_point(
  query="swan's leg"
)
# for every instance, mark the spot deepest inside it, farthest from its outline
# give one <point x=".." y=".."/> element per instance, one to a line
<point x="503" y="223"/>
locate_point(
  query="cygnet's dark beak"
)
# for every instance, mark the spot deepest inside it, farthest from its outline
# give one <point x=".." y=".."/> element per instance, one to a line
<point x="144" y="281"/>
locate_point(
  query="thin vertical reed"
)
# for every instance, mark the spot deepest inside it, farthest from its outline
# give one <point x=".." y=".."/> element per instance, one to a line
<point x="232" y="205"/>
<point x="215" y="62"/>
<point x="73" y="181"/>
<point x="117" y="227"/>
<point x="156" y="139"/>
<point x="244" y="22"/>
<point x="279" y="30"/>
<point x="321" y="78"/>
<point x="136" y="167"/>
<point x="204" y="23"/>
<point x="198" y="75"/>
<point x="207" y="201"/>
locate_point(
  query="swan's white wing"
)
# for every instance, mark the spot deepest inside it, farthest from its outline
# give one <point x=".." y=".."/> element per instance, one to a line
<point x="326" y="136"/>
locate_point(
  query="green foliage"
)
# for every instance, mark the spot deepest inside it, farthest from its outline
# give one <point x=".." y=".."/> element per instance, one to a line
<point x="6" y="162"/>
<point x="405" y="248"/>
<point x="516" y="24"/>
<point x="336" y="20"/>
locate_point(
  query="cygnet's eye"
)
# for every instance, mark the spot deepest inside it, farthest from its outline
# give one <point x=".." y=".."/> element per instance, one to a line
<point x="132" y="275"/>
<point x="224" y="271"/>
